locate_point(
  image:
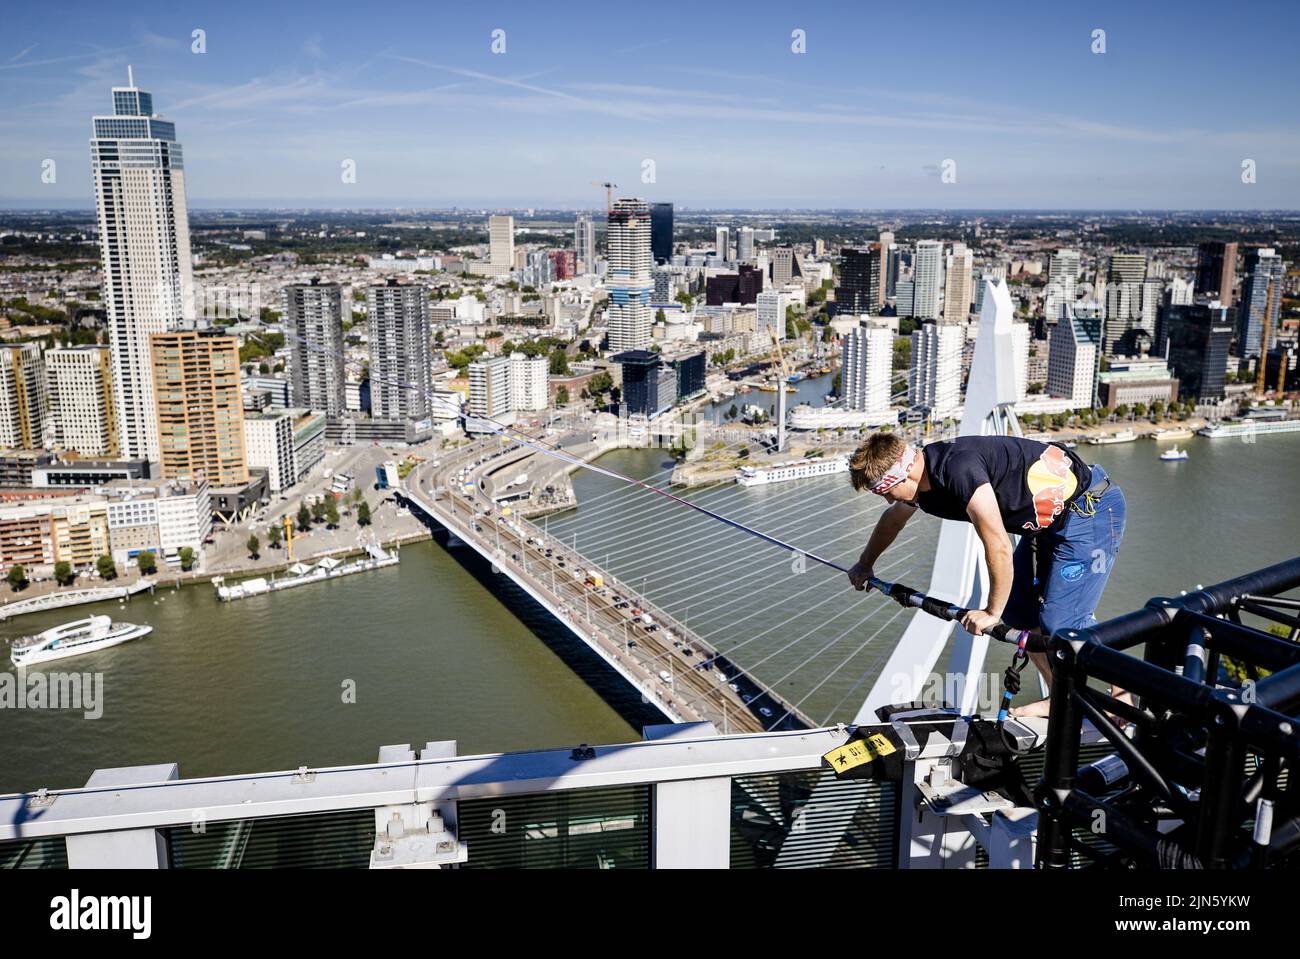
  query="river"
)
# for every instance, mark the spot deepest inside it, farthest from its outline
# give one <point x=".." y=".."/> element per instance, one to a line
<point x="434" y="653"/>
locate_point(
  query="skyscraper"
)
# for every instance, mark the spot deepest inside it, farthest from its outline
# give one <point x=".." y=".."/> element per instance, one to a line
<point x="934" y="382"/>
<point x="144" y="235"/>
<point x="1216" y="271"/>
<point x="661" y="232"/>
<point x="957" y="291"/>
<point x="24" y="397"/>
<point x="628" y="281"/>
<point x="859" y="287"/>
<point x="1195" y="339"/>
<point x="1264" y="268"/>
<point x="400" y="381"/>
<point x="489" y="386"/>
<point x="928" y="278"/>
<point x="868" y="363"/>
<point x="785" y="266"/>
<point x="313" y="314"/>
<point x="584" y="244"/>
<point x="501" y="243"/>
<point x="1062" y="283"/>
<point x="200" y="411"/>
<point x="722" y="242"/>
<point x="81" y="400"/>
<point x="745" y="244"/>
<point x="1072" y="356"/>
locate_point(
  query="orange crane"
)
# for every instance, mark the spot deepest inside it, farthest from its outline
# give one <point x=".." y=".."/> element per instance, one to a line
<point x="609" y="194"/>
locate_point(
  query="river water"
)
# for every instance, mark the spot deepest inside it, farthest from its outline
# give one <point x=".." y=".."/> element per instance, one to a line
<point x="434" y="653"/>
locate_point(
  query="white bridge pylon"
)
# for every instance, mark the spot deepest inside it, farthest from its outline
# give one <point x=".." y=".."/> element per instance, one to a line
<point x="960" y="575"/>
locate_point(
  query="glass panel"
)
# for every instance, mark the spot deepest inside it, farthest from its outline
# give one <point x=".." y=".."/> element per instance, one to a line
<point x="809" y="819"/>
<point x="47" y="853"/>
<point x="581" y="828"/>
<point x="336" y="840"/>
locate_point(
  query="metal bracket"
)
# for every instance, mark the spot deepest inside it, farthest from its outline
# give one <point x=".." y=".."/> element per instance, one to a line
<point x="304" y="775"/>
<point x="42" y="799"/>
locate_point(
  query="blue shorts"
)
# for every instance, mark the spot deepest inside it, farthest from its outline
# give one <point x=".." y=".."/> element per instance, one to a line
<point x="1075" y="562"/>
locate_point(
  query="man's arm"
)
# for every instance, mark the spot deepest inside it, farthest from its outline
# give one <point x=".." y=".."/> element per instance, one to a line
<point x="887" y="528"/>
<point x="987" y="520"/>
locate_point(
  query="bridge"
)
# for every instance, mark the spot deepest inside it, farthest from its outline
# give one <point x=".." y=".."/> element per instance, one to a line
<point x="71" y="597"/>
<point x="672" y="667"/>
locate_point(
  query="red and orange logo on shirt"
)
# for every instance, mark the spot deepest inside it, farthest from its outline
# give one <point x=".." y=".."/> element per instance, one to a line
<point x="1051" y="482"/>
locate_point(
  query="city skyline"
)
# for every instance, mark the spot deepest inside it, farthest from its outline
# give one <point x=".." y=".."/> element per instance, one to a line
<point x="1038" y="121"/>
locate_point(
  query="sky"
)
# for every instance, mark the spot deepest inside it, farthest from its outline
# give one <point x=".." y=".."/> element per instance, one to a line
<point x="703" y="105"/>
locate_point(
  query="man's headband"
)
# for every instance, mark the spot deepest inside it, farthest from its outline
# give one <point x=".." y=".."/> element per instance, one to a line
<point x="897" y="472"/>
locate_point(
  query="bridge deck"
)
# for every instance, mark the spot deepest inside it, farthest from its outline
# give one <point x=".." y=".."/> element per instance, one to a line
<point x="690" y="693"/>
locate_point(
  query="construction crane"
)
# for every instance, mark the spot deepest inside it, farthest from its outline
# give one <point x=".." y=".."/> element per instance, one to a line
<point x="609" y="194"/>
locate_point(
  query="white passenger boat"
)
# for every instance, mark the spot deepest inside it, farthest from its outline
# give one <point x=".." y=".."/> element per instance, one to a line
<point x="1123" y="436"/>
<point x="1250" y="428"/>
<point x="1173" y="454"/>
<point x="792" y="470"/>
<point x="73" y="639"/>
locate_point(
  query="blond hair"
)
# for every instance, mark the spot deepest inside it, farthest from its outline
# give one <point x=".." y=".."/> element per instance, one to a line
<point x="872" y="459"/>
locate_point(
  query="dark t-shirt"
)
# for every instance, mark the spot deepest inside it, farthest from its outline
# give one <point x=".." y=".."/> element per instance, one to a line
<point x="1032" y="481"/>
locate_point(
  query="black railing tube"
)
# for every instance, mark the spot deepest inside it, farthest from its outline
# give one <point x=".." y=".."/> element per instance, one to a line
<point x="1061" y="764"/>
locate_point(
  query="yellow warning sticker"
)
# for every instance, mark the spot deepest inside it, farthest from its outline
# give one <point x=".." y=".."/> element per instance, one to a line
<point x="859" y="751"/>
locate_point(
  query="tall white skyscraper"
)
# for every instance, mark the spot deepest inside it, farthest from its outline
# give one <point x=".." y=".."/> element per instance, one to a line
<point x="584" y="244"/>
<point x="868" y="363"/>
<point x="489" y="386"/>
<point x="927" y="277"/>
<point x="81" y="400"/>
<point x="1071" y="363"/>
<point x="722" y="242"/>
<point x="1062" y="283"/>
<point x="400" y="381"/>
<point x="769" y="315"/>
<point x="528" y="382"/>
<point x="501" y="243"/>
<point x="934" y="381"/>
<point x="957" y="291"/>
<point x="745" y="244"/>
<point x="1020" y="357"/>
<point x="144" y="243"/>
<point x="629" y="281"/>
<point x="313" y="313"/>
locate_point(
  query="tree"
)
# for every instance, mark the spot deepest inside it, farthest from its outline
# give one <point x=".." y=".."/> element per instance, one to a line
<point x="331" y="512"/>
<point x="304" y="518"/>
<point x="63" y="572"/>
<point x="318" y="511"/>
<point x="559" y="362"/>
<point x="363" y="513"/>
<point x="187" y="558"/>
<point x="273" y="536"/>
<point x="146" y="563"/>
<point x="254" y="545"/>
<point x="561" y="396"/>
<point x="17" y="578"/>
<point x="732" y="413"/>
<point x="659" y="316"/>
<point x="106" y="567"/>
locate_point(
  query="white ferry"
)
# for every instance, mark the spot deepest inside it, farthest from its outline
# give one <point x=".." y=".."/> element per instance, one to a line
<point x="1250" y="428"/>
<point x="1123" y="436"/>
<point x="1177" y="433"/>
<point x="73" y="639"/>
<point x="791" y="470"/>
